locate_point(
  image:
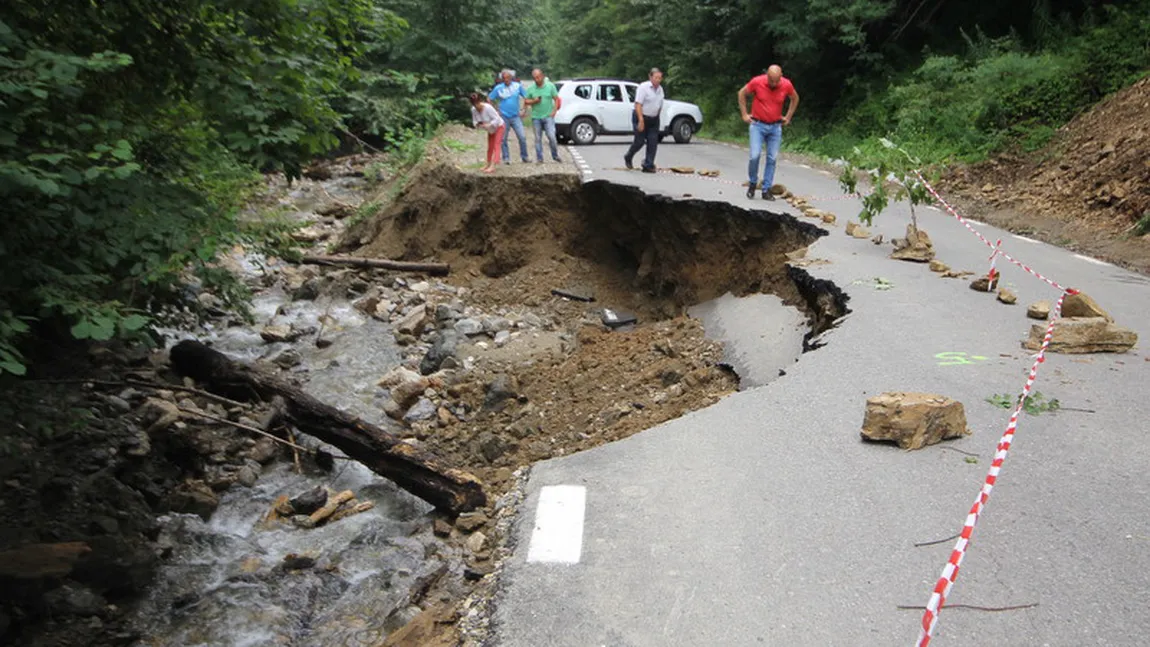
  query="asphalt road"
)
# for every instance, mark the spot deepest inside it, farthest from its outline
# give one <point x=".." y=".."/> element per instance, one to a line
<point x="764" y="520"/>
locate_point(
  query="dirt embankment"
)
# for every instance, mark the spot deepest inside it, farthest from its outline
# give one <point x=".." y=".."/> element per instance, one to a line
<point x="1087" y="189"/>
<point x="648" y="254"/>
<point x="570" y="382"/>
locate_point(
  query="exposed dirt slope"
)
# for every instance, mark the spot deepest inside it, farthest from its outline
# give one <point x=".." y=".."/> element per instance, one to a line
<point x="1085" y="190"/>
<point x="648" y="253"/>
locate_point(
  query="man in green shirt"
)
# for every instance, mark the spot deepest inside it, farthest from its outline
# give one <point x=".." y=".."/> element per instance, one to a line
<point x="544" y="101"/>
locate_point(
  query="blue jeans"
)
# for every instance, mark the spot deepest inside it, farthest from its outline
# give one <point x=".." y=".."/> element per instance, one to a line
<point x="514" y="123"/>
<point x="649" y="138"/>
<point x="772" y="134"/>
<point x="545" y="125"/>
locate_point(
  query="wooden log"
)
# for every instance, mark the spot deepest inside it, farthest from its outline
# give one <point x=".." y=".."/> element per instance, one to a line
<point x="434" y="269"/>
<point x="329" y="508"/>
<point x="349" y="510"/>
<point x="417" y="471"/>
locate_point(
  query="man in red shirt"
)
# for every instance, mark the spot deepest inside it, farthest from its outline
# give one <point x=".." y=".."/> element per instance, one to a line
<point x="768" y="92"/>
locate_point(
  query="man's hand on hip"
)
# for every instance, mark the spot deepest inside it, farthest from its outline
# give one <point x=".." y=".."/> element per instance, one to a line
<point x="746" y="119"/>
<point x="786" y="121"/>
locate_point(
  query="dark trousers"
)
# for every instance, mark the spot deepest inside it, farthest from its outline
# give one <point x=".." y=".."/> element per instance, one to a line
<point x="649" y="138"/>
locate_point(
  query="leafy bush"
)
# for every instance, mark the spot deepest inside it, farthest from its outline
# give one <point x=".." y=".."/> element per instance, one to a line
<point x="998" y="94"/>
<point x="130" y="135"/>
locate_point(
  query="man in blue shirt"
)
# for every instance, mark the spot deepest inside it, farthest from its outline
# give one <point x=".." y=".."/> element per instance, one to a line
<point x="510" y="95"/>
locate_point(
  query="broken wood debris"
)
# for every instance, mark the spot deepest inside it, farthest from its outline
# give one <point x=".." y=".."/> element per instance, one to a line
<point x="415" y="470"/>
<point x="434" y="269"/>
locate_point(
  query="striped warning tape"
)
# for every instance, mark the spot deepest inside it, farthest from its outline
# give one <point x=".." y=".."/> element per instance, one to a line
<point x="950" y="571"/>
<point x="951" y="210"/>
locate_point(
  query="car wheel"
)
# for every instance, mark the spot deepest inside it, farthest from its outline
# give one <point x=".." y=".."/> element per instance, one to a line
<point x="583" y="131"/>
<point x="682" y="129"/>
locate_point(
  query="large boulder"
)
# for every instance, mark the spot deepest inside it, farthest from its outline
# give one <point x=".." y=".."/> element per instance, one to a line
<point x="913" y="420"/>
<point x="1083" y="335"/>
<point x="1081" y="305"/>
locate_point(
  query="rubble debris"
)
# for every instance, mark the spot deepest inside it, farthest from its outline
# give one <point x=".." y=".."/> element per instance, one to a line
<point x="1082" y="305"/>
<point x="575" y="294"/>
<point x="913" y="420"/>
<point x="1073" y="335"/>
<point x="617" y="318"/>
<point x="916" y="247"/>
<point x="1038" y="310"/>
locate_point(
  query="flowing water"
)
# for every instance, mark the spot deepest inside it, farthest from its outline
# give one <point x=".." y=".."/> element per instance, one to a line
<point x="225" y="582"/>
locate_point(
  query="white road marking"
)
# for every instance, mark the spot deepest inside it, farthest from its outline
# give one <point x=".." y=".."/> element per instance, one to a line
<point x="558" y="534"/>
<point x="803" y="166"/>
<point x="931" y="206"/>
<point x="1092" y="260"/>
<point x="975" y="222"/>
<point x="1026" y="240"/>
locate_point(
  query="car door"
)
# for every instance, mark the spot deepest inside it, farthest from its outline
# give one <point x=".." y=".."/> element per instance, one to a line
<point x="614" y="110"/>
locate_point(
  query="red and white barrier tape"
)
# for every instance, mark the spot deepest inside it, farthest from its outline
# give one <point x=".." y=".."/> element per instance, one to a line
<point x="950" y="571"/>
<point x="974" y="231"/>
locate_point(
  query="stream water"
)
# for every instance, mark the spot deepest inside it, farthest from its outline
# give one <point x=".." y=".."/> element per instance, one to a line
<point x="225" y="582"/>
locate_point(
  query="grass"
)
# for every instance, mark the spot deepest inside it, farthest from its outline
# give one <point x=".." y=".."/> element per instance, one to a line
<point x="457" y="146"/>
<point x="1142" y="227"/>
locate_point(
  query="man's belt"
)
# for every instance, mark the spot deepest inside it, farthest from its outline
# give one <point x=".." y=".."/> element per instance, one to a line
<point x="767" y="123"/>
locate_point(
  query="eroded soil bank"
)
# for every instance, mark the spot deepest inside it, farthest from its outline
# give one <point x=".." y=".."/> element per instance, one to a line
<point x="649" y="254"/>
<point x="488" y="368"/>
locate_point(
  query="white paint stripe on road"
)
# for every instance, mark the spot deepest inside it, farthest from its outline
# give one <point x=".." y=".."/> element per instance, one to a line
<point x="1026" y="240"/>
<point x="1092" y="260"/>
<point x="975" y="222"/>
<point x="931" y="206"/>
<point x="558" y="534"/>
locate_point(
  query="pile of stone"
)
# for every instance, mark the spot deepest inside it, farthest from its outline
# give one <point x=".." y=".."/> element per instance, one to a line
<point x="1085" y="327"/>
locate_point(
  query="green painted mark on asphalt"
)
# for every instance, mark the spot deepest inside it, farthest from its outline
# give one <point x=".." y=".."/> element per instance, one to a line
<point x="951" y="358"/>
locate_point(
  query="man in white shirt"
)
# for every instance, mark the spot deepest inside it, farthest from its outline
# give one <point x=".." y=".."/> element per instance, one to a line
<point x="648" y="106"/>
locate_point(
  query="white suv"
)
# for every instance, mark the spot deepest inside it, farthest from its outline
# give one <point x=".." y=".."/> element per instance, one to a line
<point x="593" y="107"/>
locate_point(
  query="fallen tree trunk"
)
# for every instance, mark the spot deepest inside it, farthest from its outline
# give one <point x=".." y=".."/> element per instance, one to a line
<point x="451" y="490"/>
<point x="434" y="269"/>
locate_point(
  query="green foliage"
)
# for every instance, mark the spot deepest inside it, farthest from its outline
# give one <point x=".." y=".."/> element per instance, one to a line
<point x="1035" y="403"/>
<point x="999" y="93"/>
<point x="366" y="211"/>
<point x="892" y="176"/>
<point x="1142" y="227"/>
<point x="130" y="136"/>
